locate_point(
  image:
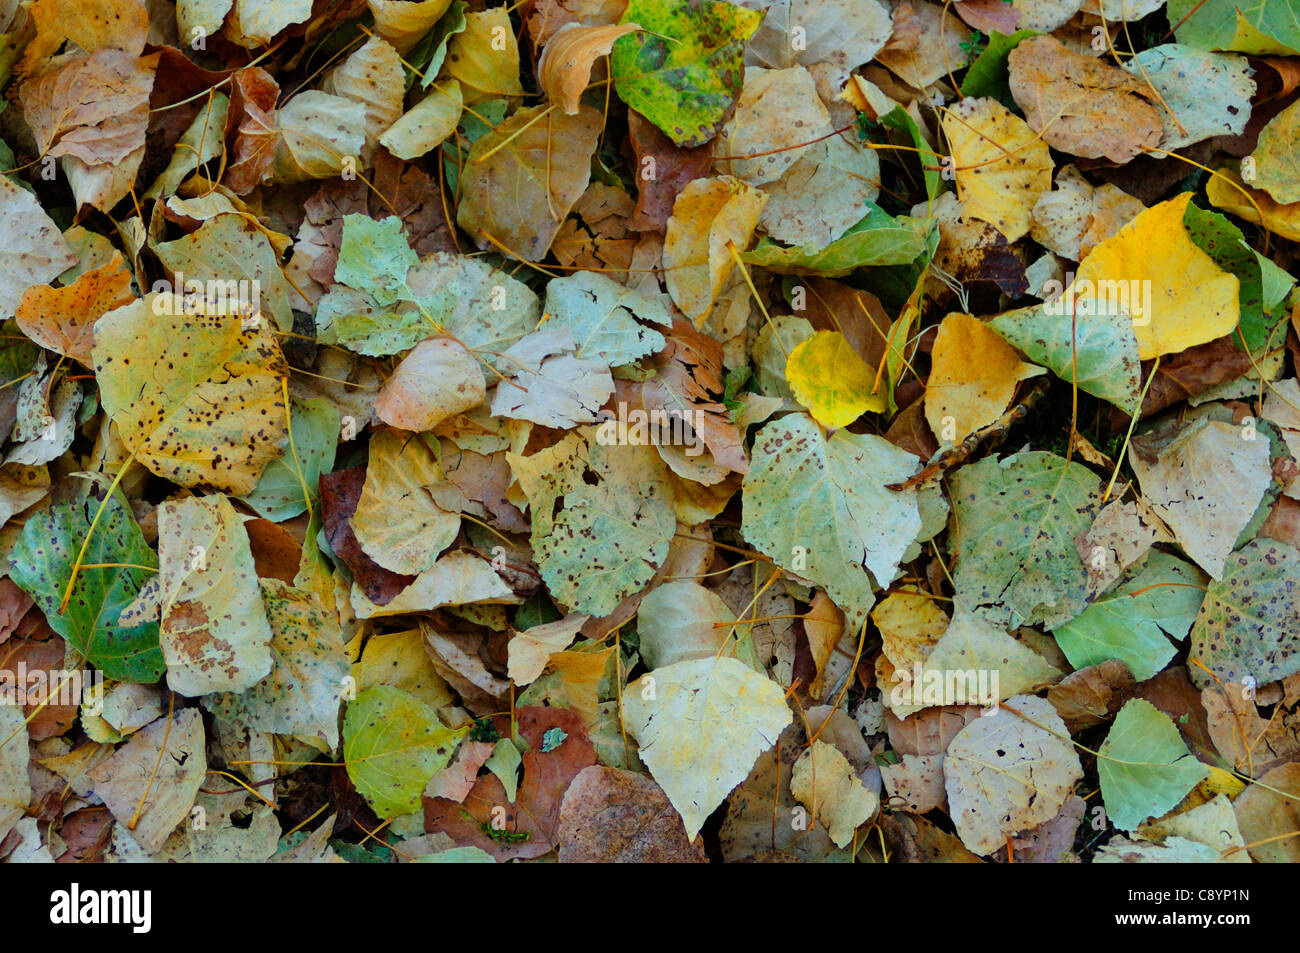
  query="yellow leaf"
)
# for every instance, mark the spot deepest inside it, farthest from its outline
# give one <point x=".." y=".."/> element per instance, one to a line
<point x="973" y="378"/>
<point x="708" y="213"/>
<point x="1282" y="220"/>
<point x="829" y="378"/>
<point x="565" y="67"/>
<point x="1002" y="167"/>
<point x="485" y="57"/>
<point x="1177" y="295"/>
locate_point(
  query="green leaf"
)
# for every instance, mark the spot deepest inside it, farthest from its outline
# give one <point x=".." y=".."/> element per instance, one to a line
<point x="1102" y="347"/>
<point x="449" y="294"/>
<point x="1144" y="766"/>
<point x="1249" y="623"/>
<point x="1247" y="26"/>
<point x="684" y="71"/>
<point x="987" y="75"/>
<point x="393" y="745"/>
<point x="430" y="52"/>
<point x="819" y="507"/>
<point x="375" y="257"/>
<point x="278" y="496"/>
<point x="1224" y="242"/>
<point x="42" y="560"/>
<point x="602" y="314"/>
<point x="1014" y="523"/>
<point x="1134" y="622"/>
<point x="878" y="239"/>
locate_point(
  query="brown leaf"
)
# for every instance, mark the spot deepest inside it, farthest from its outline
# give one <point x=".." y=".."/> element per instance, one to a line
<point x="340" y="492"/>
<point x="547" y="17"/>
<point x="1081" y="105"/>
<point x="90" y="25"/>
<point x="251" y="117"/>
<point x="1092" y="695"/>
<point x="689" y="374"/>
<point x="565" y="67"/>
<point x="914" y="840"/>
<point x="612" y="816"/>
<point x="928" y="731"/>
<point x="532" y="822"/>
<point x="989" y="15"/>
<point x="63" y="319"/>
<point x="1268" y="820"/>
<point x="663" y="170"/>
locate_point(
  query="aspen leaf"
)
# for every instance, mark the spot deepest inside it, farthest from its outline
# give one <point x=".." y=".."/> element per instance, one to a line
<point x="973" y="377"/>
<point x="565" y="66"/>
<point x="708" y="721"/>
<point x="828" y="377"/>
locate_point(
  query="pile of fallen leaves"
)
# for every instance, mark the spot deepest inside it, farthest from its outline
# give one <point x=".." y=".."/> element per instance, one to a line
<point x="817" y="430"/>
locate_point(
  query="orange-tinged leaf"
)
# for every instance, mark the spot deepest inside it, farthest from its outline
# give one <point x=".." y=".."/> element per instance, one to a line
<point x="63" y="319"/>
<point x="973" y="379"/>
<point x="565" y="66"/>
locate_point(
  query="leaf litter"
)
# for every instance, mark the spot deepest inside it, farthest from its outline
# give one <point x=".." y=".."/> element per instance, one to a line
<point x="582" y="430"/>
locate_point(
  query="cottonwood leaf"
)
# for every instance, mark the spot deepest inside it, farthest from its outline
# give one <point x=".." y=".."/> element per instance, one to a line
<point x="1002" y="167"/>
<point x="701" y="729"/>
<point x="254" y="23"/>
<point x="33" y="252"/>
<point x="456" y="579"/>
<point x="197" y="397"/>
<point x="1100" y="351"/>
<point x="843" y="34"/>
<point x="374" y="257"/>
<point x="426" y="124"/>
<point x="1144" y="766"/>
<point x="611" y="534"/>
<point x="302" y="693"/>
<point x="522" y="178"/>
<point x="15" y="756"/>
<point x="819" y="507"/>
<point x="1247" y="26"/>
<point x="319" y="133"/>
<point x="393" y="744"/>
<point x="373" y="77"/>
<point x="288" y="486"/>
<point x="1204" y="481"/>
<point x="823" y="194"/>
<point x="679" y="621"/>
<point x="564" y="70"/>
<point x="549" y="385"/>
<point x="709" y="215"/>
<point x="484" y="57"/>
<point x="1155" y="602"/>
<point x="532" y="648"/>
<point x="438" y="379"/>
<point x="63" y="319"/>
<point x="232" y="254"/>
<point x="684" y="70"/>
<point x="612" y="816"/>
<point x="606" y="318"/>
<point x="1014" y="525"/>
<point x="825" y="783"/>
<point x="1249" y="624"/>
<point x="973" y="377"/>
<point x="214" y="633"/>
<point x="1005" y="773"/>
<point x="1082" y="105"/>
<point x="43" y="557"/>
<point x="777" y="119"/>
<point x="1190" y="300"/>
<point x="876" y="240"/>
<point x="973" y="644"/>
<point x="149" y="784"/>
<point x="397" y="522"/>
<point x="1203" y="94"/>
<point x="826" y="375"/>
